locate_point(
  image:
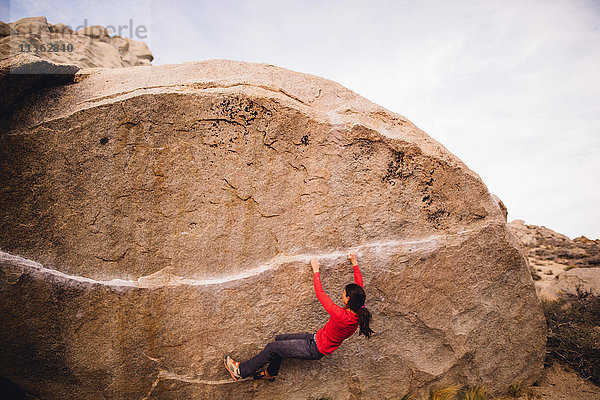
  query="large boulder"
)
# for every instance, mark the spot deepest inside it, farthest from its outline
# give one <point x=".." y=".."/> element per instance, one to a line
<point x="585" y="280"/>
<point x="31" y="26"/>
<point x="5" y="29"/>
<point x="155" y="218"/>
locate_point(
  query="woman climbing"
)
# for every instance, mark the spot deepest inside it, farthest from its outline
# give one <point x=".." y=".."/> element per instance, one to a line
<point x="341" y="325"/>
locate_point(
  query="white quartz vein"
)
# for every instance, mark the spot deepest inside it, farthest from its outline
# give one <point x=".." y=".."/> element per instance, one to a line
<point x="165" y="277"/>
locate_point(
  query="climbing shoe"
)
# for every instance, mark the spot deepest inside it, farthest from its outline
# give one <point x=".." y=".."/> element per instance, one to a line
<point x="264" y="375"/>
<point x="233" y="367"/>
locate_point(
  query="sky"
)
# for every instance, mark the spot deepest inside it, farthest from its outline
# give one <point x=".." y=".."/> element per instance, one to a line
<point x="510" y="87"/>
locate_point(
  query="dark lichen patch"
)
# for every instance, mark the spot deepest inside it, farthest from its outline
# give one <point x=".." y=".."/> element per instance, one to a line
<point x="305" y="140"/>
<point x="399" y="168"/>
<point x="427" y="184"/>
<point x="361" y="148"/>
<point x="427" y="197"/>
<point x="222" y="134"/>
<point x="242" y="110"/>
<point x="434" y="203"/>
<point x="436" y="218"/>
<point x="425" y="174"/>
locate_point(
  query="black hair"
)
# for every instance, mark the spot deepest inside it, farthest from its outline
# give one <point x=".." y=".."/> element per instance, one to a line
<point x="356" y="303"/>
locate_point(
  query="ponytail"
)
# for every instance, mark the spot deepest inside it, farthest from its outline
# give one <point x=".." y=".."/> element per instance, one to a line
<point x="364" y="319"/>
<point x="357" y="304"/>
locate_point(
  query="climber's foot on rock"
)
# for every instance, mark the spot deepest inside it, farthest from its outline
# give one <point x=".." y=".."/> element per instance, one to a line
<point x="264" y="375"/>
<point x="233" y="367"/>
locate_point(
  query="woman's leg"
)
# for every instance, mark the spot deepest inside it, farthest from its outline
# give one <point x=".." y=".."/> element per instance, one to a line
<point x="288" y="336"/>
<point x="274" y="352"/>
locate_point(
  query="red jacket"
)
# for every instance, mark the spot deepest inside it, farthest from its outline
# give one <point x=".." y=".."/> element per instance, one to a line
<point x="342" y="323"/>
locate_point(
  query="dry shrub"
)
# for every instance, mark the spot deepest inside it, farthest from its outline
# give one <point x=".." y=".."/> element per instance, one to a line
<point x="515" y="389"/>
<point x="475" y="393"/>
<point x="446" y="393"/>
<point x="574" y="333"/>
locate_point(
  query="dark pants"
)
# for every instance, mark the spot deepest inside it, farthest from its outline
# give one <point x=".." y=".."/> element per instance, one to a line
<point x="291" y="345"/>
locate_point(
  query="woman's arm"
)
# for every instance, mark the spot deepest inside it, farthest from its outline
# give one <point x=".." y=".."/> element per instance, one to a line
<point x="332" y="309"/>
<point x="357" y="275"/>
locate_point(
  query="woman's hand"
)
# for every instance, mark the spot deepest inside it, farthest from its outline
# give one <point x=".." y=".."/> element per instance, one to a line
<point x="352" y="258"/>
<point x="315" y="264"/>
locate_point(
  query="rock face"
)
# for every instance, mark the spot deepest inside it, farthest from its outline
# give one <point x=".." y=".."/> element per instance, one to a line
<point x="155" y="218"/>
<point x="558" y="264"/>
<point x="88" y="47"/>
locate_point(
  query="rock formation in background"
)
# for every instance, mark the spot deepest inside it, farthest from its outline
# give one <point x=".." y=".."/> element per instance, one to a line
<point x="23" y="72"/>
<point x="156" y="218"/>
<point x="558" y="264"/>
<point x="91" y="46"/>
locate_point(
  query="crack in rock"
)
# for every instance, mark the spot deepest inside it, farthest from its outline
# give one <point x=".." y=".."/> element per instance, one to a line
<point x="166" y="375"/>
<point x="177" y="88"/>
